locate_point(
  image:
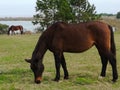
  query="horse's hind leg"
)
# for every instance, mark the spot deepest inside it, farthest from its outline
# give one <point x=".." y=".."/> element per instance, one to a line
<point x="105" y="56"/>
<point x="66" y="76"/>
<point x="104" y="61"/>
<point x="112" y="61"/>
<point x="104" y="65"/>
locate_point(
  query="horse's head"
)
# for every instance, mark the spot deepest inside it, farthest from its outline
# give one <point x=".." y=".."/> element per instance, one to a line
<point x="37" y="69"/>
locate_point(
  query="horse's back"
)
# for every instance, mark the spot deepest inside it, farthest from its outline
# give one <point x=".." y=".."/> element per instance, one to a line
<point x="70" y="37"/>
<point x="77" y="37"/>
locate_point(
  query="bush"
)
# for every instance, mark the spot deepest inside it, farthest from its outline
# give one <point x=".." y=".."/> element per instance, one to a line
<point x="3" y="28"/>
<point x="118" y="15"/>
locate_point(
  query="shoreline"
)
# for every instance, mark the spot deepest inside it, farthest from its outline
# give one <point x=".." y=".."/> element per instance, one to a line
<point x="16" y="19"/>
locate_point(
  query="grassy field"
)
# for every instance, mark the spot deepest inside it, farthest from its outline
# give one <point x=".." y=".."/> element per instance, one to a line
<point x="84" y="68"/>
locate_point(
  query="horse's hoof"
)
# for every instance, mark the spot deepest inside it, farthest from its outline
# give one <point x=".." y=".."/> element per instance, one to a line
<point x="56" y="80"/>
<point x="101" y="77"/>
<point x="38" y="82"/>
<point x="66" y="78"/>
<point x="114" y="80"/>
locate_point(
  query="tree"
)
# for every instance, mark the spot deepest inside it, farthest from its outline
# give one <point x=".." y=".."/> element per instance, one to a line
<point x="64" y="11"/>
<point x="45" y="13"/>
<point x="118" y="15"/>
<point x="83" y="11"/>
<point x="50" y="11"/>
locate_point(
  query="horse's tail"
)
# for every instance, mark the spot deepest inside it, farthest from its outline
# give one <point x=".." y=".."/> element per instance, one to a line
<point x="21" y="27"/>
<point x="21" y="31"/>
<point x="113" y="47"/>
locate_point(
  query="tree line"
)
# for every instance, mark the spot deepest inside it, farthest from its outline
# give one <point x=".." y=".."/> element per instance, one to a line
<point x="118" y="15"/>
<point x="71" y="11"/>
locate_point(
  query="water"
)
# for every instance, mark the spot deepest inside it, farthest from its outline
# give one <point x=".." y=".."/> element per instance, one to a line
<point x="27" y="25"/>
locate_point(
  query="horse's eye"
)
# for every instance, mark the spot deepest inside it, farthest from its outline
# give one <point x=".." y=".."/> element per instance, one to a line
<point x="33" y="67"/>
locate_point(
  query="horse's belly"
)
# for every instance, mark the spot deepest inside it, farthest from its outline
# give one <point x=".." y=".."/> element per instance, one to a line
<point x="75" y="48"/>
<point x="72" y="44"/>
<point x="78" y="47"/>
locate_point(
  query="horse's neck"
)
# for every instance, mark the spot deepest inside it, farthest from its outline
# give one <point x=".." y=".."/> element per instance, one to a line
<point x="39" y="50"/>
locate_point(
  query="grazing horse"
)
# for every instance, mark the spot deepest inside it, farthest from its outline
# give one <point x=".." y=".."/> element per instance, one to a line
<point x="62" y="37"/>
<point x="15" y="28"/>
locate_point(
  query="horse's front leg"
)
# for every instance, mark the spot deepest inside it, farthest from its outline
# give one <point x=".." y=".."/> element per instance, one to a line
<point x="13" y="33"/>
<point x="57" y="65"/>
<point x="66" y="75"/>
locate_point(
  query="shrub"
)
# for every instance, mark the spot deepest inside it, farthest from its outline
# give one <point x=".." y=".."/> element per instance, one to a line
<point x="3" y="28"/>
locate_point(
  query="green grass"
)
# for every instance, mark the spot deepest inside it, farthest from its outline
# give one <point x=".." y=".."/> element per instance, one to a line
<point x="84" y="68"/>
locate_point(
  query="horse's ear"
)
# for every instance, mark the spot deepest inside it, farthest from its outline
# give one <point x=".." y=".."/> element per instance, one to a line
<point x="28" y="60"/>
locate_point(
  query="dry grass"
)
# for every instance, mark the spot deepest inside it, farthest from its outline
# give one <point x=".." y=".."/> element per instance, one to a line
<point x="112" y="21"/>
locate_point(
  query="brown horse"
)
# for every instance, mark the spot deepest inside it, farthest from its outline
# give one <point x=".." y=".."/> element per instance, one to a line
<point x="62" y="37"/>
<point x="15" y="28"/>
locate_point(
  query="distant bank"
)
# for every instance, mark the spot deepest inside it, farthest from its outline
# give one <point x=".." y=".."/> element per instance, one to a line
<point x="16" y="18"/>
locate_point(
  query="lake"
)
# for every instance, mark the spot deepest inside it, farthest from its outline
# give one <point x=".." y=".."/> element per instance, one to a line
<point x="27" y="25"/>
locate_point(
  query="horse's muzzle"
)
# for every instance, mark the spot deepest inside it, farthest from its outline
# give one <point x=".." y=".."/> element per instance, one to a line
<point x="38" y="80"/>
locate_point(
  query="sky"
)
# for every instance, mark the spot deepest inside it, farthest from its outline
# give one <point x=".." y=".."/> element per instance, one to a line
<point x="26" y="8"/>
<point x="17" y="8"/>
<point x="106" y="6"/>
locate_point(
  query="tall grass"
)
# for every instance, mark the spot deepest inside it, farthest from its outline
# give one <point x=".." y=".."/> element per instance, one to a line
<point x="84" y="68"/>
